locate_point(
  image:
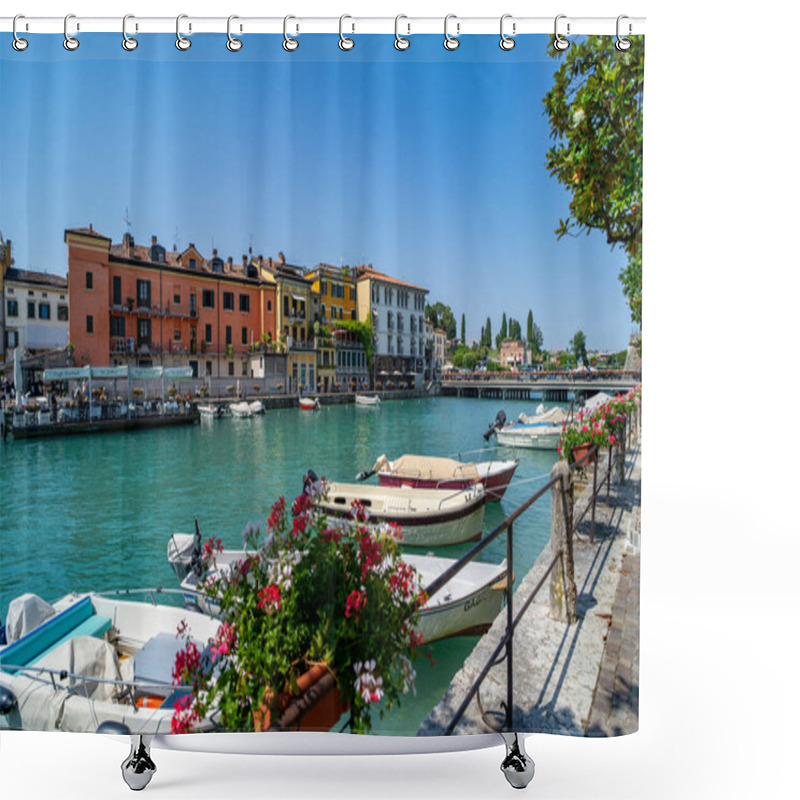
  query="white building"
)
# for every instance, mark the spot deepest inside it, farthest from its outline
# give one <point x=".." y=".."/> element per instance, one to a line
<point x="397" y="311"/>
<point x="36" y="309"/>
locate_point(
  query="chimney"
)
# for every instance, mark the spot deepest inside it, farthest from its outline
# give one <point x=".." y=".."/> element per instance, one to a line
<point x="127" y="245"/>
<point x="281" y="258"/>
<point x="229" y="267"/>
<point x="90" y="227"/>
<point x="269" y="262"/>
<point x="244" y="262"/>
<point x="153" y="241"/>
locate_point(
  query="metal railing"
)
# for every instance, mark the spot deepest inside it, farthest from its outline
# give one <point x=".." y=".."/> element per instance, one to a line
<point x="507" y="525"/>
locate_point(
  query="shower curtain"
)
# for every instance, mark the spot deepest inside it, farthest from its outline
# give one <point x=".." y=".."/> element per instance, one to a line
<point x="355" y="254"/>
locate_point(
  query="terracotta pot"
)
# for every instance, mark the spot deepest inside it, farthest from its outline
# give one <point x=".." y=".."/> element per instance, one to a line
<point x="319" y="713"/>
<point x="580" y="450"/>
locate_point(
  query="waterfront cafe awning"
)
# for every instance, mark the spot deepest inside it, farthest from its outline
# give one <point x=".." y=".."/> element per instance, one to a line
<point x="134" y="373"/>
<point x="299" y="297"/>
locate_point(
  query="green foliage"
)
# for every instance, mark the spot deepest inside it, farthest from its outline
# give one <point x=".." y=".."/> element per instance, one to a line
<point x="595" y="114"/>
<point x="363" y="330"/>
<point x="486" y="341"/>
<point x="514" y="329"/>
<point x="578" y="346"/>
<point x="309" y="592"/>
<point x="441" y="316"/>
<point x="535" y="338"/>
<point x="463" y="329"/>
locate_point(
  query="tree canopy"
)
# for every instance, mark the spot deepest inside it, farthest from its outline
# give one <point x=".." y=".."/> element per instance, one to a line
<point x="441" y="316"/>
<point x="595" y="112"/>
<point x="578" y="347"/>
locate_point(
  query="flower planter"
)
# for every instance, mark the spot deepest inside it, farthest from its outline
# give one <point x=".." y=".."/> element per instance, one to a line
<point x="580" y="450"/>
<point x="320" y="700"/>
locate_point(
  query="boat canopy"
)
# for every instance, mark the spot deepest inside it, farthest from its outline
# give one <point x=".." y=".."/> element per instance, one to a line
<point x="26" y="612"/>
<point x="600" y="399"/>
<point x="553" y="416"/>
<point x="427" y="468"/>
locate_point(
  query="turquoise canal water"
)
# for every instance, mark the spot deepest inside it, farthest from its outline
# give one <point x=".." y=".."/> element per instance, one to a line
<point x="94" y="512"/>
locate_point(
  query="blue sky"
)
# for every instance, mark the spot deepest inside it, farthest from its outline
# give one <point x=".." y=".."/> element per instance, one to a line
<point x="428" y="164"/>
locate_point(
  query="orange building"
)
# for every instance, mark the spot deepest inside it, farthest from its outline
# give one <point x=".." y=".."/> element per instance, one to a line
<point x="145" y="305"/>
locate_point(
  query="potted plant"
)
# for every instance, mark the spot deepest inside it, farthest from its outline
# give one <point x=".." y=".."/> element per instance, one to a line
<point x="311" y="597"/>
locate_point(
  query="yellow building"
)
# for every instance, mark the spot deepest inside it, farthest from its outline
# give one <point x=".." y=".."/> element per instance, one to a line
<point x="336" y="287"/>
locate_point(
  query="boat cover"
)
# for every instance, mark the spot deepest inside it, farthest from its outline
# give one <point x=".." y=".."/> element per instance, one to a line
<point x="427" y="468"/>
<point x="26" y="612"/>
<point x="600" y="399"/>
<point x="553" y="416"/>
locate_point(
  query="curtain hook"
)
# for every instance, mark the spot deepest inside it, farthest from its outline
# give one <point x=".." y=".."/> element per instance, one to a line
<point x="19" y="44"/>
<point x="345" y="43"/>
<point x="128" y="42"/>
<point x="233" y="44"/>
<point x="181" y="42"/>
<point x="622" y="44"/>
<point x="290" y="44"/>
<point x="70" y="42"/>
<point x="401" y="42"/>
<point x="507" y="42"/>
<point x="559" y="42"/>
<point x="450" y="42"/>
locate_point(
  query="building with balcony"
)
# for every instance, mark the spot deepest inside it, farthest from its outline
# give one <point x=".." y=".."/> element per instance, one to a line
<point x="144" y="305"/>
<point x="36" y="307"/>
<point x="397" y="311"/>
<point x="352" y="372"/>
<point x="336" y="287"/>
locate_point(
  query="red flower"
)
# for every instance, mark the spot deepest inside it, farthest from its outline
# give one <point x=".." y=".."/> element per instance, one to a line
<point x="301" y="503"/>
<point x="355" y="604"/>
<point x="185" y="714"/>
<point x="187" y="662"/>
<point x="210" y="547"/>
<point x="276" y="515"/>
<point x="269" y="598"/>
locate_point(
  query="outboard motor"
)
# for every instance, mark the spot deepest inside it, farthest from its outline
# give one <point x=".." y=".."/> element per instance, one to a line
<point x="311" y="483"/>
<point x="499" y="422"/>
<point x="197" y="551"/>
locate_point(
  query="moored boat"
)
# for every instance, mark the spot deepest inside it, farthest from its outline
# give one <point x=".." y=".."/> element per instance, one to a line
<point x="241" y="409"/>
<point x="429" y="472"/>
<point x="467" y="604"/>
<point x="309" y="403"/>
<point x="256" y="406"/>
<point x="427" y="517"/>
<point x="532" y="437"/>
<point x="91" y="658"/>
<point x="211" y="411"/>
<point x="367" y="400"/>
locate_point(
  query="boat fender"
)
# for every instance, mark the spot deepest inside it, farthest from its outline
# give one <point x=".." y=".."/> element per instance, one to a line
<point x="8" y="701"/>
<point x="113" y="727"/>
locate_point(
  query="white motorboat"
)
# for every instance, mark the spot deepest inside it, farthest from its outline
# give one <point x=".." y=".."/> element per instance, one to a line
<point x="367" y="400"/>
<point x="430" y="472"/>
<point x="532" y="437"/>
<point x="466" y="605"/>
<point x="91" y="658"/>
<point x="309" y="403"/>
<point x="210" y="411"/>
<point x="427" y="517"/>
<point x="256" y="406"/>
<point x="241" y="409"/>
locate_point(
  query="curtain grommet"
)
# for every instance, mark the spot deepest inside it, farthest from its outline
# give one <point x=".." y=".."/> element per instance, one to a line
<point x="622" y="44"/>
<point x="233" y="44"/>
<point x="128" y="42"/>
<point x="451" y="43"/>
<point x="560" y="43"/>
<point x="290" y="44"/>
<point x="345" y="42"/>
<point x="507" y="42"/>
<point x="401" y="43"/>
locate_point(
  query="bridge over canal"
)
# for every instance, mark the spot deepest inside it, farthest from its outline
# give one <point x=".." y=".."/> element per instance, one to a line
<point x="559" y="388"/>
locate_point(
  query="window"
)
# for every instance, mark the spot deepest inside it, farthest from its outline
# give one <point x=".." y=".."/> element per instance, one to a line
<point x="117" y="326"/>
<point x="193" y="304"/>
<point x="230" y="368"/>
<point x="144" y="332"/>
<point x="208" y="298"/>
<point x="89" y="323"/>
<point x="31" y="309"/>
<point x="89" y="280"/>
<point x="227" y="301"/>
<point x="269" y="305"/>
<point x="192" y="263"/>
<point x="117" y="289"/>
<point x="12" y="339"/>
<point x="228" y="335"/>
<point x="177" y="335"/>
<point x="63" y="313"/>
<point x="208" y="334"/>
<point x="176" y="298"/>
<point x="286" y="305"/>
<point x="143" y="294"/>
<point x="323" y="287"/>
<point x="208" y="367"/>
<point x="244" y="335"/>
<point x="244" y="302"/>
<point x="244" y="369"/>
<point x="44" y="310"/>
<point x="13" y="308"/>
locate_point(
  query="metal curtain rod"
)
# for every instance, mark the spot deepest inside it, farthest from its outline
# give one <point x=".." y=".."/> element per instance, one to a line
<point x="514" y="26"/>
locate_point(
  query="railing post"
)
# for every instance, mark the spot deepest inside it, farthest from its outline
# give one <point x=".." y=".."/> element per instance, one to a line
<point x="510" y="628"/>
<point x="621" y="457"/>
<point x="563" y="595"/>
<point x="610" y="469"/>
<point x="594" y="493"/>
